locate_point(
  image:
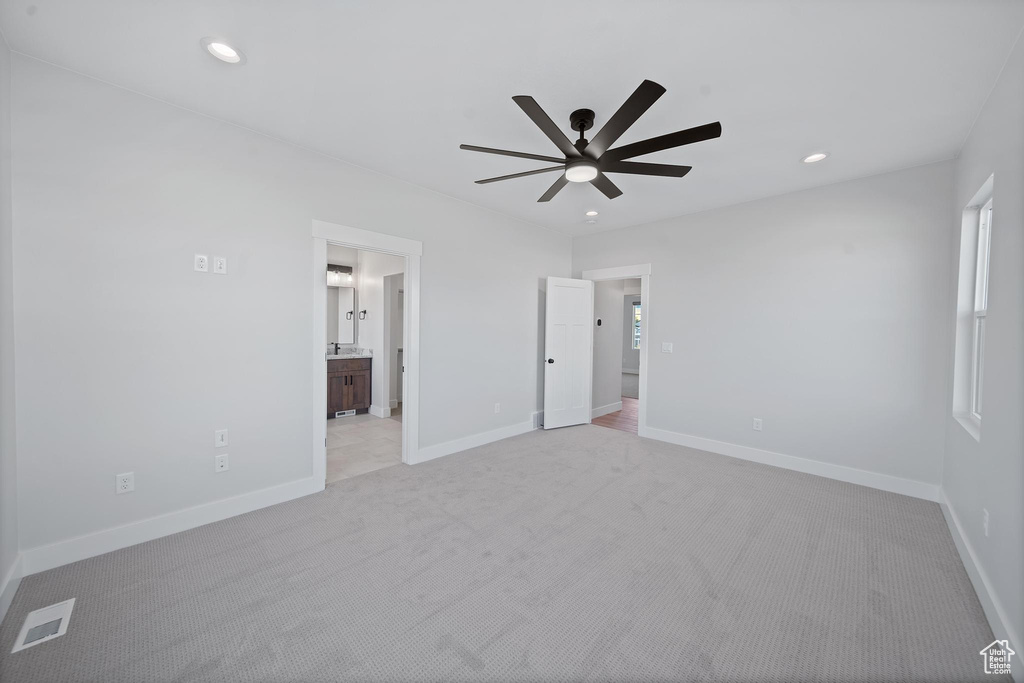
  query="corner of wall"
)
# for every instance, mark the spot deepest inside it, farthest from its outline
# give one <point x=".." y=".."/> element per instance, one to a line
<point x="10" y="560"/>
<point x="995" y="611"/>
<point x="9" y="585"/>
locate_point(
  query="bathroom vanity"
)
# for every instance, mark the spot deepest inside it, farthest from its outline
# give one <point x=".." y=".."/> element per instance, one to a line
<point x="348" y="384"/>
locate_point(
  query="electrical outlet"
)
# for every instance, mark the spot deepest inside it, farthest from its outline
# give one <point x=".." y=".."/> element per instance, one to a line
<point x="497" y="408"/>
<point x="666" y="347"/>
<point x="757" y="424"/>
<point x="984" y="520"/>
<point x="220" y="265"/>
<point x="220" y="438"/>
<point x="220" y="463"/>
<point x="202" y="263"/>
<point x="124" y="482"/>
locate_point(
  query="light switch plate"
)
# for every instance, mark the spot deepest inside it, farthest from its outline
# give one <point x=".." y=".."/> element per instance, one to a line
<point x="220" y="265"/>
<point x="220" y="438"/>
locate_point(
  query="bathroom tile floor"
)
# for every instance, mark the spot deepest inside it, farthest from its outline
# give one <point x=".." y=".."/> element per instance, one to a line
<point x="363" y="443"/>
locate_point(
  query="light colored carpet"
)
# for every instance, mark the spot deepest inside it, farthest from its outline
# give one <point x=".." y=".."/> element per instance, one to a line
<point x="630" y="385"/>
<point x="580" y="554"/>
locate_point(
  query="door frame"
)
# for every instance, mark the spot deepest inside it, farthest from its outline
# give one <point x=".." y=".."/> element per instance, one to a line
<point x="642" y="271"/>
<point x="356" y="238"/>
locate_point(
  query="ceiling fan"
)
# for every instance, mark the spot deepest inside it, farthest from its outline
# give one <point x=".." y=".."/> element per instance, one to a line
<point x="589" y="161"/>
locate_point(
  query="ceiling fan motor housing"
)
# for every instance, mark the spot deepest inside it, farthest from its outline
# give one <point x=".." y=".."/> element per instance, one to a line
<point x="582" y="119"/>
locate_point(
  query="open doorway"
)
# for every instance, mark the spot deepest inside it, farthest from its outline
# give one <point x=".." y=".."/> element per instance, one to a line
<point x="618" y="310"/>
<point x="620" y="346"/>
<point x="363" y="336"/>
<point x="365" y="351"/>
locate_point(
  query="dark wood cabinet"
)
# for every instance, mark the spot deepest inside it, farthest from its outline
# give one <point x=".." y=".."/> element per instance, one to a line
<point x="348" y="385"/>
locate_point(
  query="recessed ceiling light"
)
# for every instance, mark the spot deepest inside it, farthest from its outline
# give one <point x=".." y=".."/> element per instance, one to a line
<point x="811" y="158"/>
<point x="591" y="213"/>
<point x="222" y="51"/>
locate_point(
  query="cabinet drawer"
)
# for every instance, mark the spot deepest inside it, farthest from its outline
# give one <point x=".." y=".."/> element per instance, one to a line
<point x="348" y="364"/>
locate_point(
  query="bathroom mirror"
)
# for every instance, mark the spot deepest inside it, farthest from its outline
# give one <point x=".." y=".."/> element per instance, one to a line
<point x="346" y="315"/>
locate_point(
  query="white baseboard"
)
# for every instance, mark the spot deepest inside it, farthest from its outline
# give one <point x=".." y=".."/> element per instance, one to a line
<point x="378" y="411"/>
<point x="990" y="603"/>
<point x="604" y="410"/>
<point x="474" y="440"/>
<point x="875" y="480"/>
<point x="11" y="581"/>
<point x="393" y="403"/>
<point x="630" y="371"/>
<point x="45" y="557"/>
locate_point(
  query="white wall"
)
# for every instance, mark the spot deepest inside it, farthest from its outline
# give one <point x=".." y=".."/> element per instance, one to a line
<point x="8" y="458"/>
<point x="122" y="190"/>
<point x="630" y="356"/>
<point x="989" y="474"/>
<point x="373" y="268"/>
<point x="393" y="338"/>
<point x="343" y="256"/>
<point x="823" y="312"/>
<point x="607" y="388"/>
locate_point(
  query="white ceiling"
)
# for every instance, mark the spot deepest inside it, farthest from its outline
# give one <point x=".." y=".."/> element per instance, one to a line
<point x="396" y="86"/>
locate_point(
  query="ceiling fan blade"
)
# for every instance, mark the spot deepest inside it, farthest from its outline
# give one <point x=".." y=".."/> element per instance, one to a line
<point x="547" y="126"/>
<point x="606" y="186"/>
<point x="677" y="139"/>
<point x="520" y="175"/>
<point x="505" y="152"/>
<point x="669" y="170"/>
<point x="632" y="109"/>
<point x="554" y="189"/>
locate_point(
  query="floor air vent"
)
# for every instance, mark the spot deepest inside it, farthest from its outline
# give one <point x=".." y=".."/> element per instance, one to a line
<point x="345" y="413"/>
<point x="44" y="624"/>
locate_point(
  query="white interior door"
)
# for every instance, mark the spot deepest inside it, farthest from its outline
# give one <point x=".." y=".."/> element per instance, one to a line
<point x="568" y="352"/>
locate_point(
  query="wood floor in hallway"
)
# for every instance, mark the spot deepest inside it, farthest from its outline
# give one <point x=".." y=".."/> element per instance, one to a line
<point x="624" y="420"/>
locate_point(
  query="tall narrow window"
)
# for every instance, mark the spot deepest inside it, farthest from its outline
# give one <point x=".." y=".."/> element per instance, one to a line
<point x="636" y="325"/>
<point x="980" y="307"/>
<point x="976" y="227"/>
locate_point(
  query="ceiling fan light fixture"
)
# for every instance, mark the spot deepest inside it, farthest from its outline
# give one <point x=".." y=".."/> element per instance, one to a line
<point x="580" y="171"/>
<point x="814" y="158"/>
<point x="222" y="51"/>
<point x="592" y="160"/>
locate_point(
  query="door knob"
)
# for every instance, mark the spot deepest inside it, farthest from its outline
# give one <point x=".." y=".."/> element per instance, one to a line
<point x="551" y="360"/>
